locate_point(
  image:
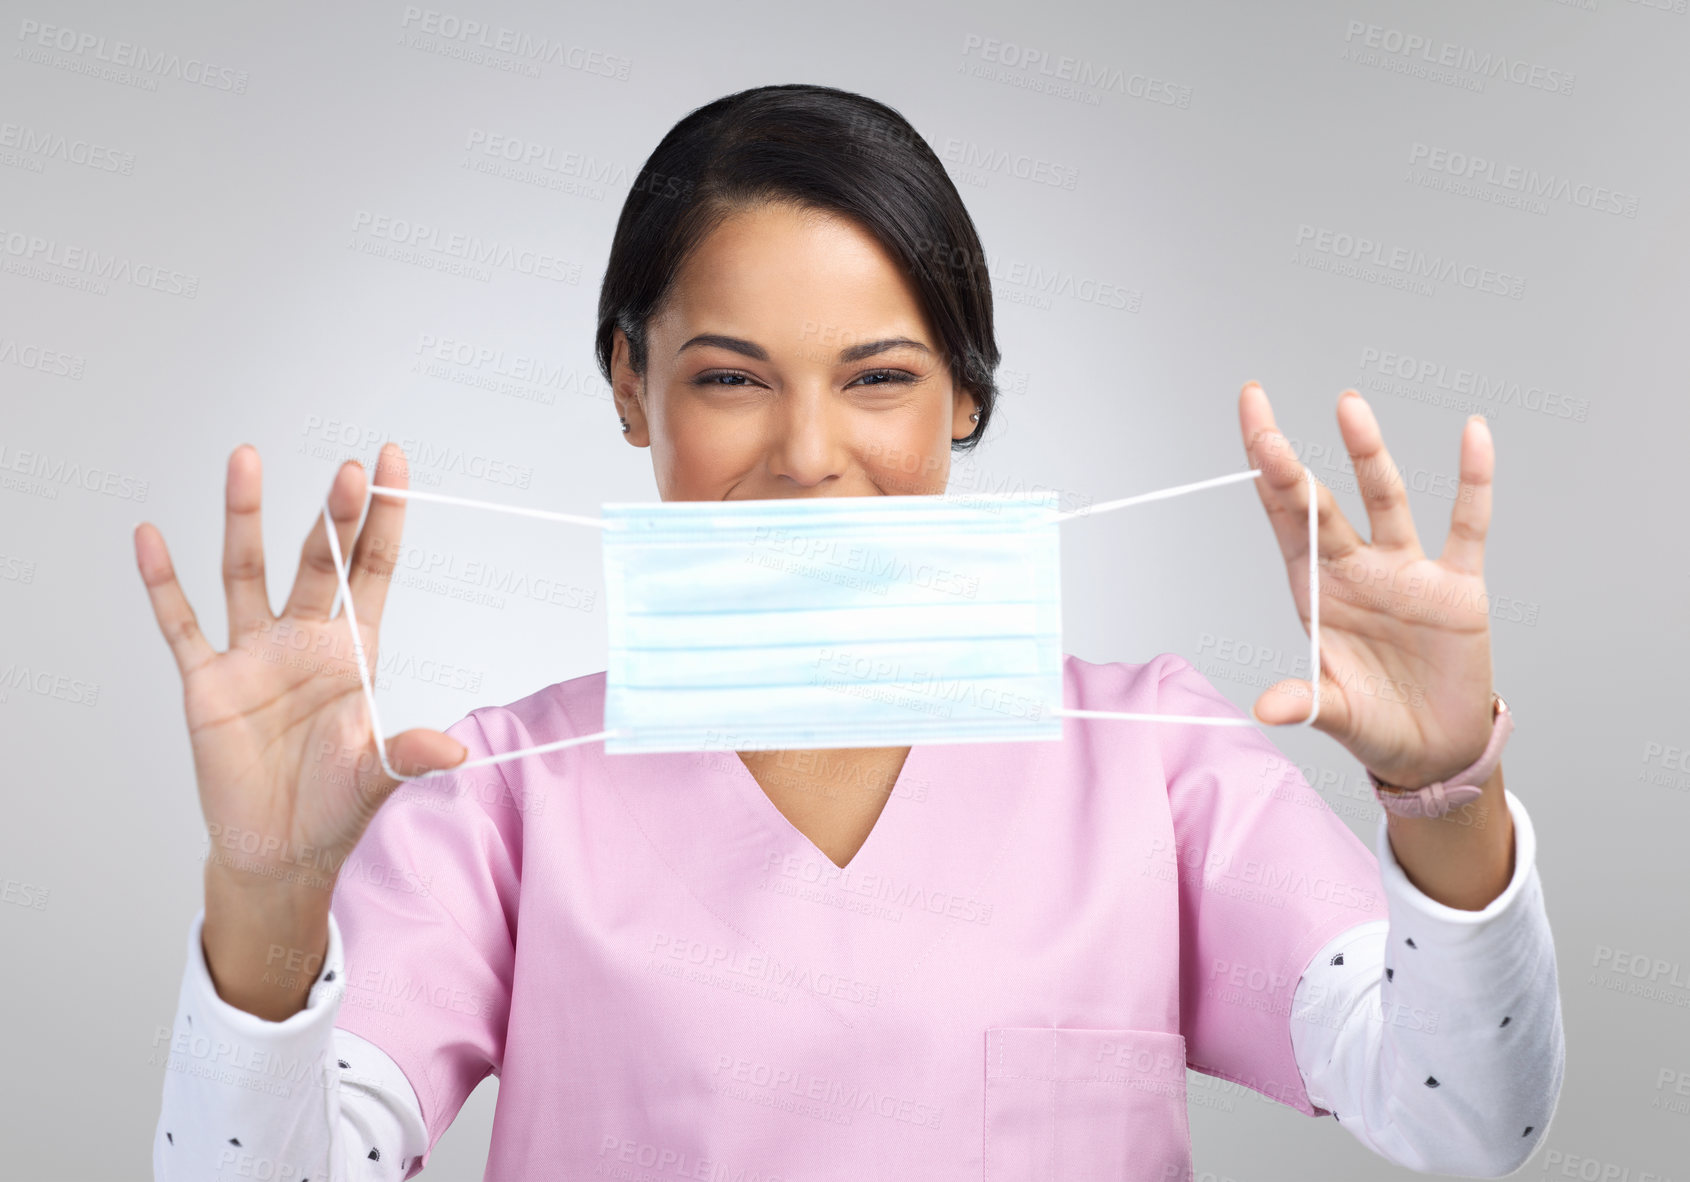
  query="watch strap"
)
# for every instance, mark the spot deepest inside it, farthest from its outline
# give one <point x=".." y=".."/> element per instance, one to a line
<point x="1444" y="796"/>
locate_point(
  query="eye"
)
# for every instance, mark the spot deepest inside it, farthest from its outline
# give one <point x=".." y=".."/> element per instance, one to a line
<point x="711" y="379"/>
<point x="900" y="376"/>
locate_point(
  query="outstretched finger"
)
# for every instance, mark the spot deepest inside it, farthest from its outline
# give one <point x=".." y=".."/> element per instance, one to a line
<point x="315" y="585"/>
<point x="243" y="545"/>
<point x="1284" y="489"/>
<point x="1469" y="520"/>
<point x="175" y="617"/>
<point x="378" y="543"/>
<point x="1377" y="478"/>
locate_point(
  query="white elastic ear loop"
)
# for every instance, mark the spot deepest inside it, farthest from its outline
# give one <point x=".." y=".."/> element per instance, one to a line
<point x="1314" y="605"/>
<point x="345" y="596"/>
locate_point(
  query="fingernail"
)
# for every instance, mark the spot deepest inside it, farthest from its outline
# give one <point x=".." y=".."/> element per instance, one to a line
<point x="1252" y="382"/>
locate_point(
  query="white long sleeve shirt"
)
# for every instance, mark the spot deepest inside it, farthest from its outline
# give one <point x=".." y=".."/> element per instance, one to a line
<point x="1435" y="1038"/>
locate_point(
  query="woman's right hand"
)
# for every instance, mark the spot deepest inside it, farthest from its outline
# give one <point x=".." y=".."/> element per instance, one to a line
<point x="288" y="773"/>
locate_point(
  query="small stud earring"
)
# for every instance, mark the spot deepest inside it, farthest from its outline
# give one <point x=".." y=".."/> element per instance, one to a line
<point x="624" y="424"/>
<point x="975" y="417"/>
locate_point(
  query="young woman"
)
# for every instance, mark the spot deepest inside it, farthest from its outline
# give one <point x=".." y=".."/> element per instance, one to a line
<point x="959" y="961"/>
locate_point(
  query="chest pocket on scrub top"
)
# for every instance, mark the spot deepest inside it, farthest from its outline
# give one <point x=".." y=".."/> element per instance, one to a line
<point x="1070" y="1102"/>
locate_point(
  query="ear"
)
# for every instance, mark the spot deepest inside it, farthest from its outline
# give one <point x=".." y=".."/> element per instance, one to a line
<point x="627" y="391"/>
<point x="963" y="404"/>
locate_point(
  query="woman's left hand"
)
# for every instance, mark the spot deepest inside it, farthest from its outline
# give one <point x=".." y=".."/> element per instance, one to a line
<point x="1405" y="661"/>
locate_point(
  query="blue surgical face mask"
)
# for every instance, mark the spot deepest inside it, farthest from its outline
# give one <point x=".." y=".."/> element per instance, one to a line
<point x="823" y="622"/>
<point x="832" y="622"/>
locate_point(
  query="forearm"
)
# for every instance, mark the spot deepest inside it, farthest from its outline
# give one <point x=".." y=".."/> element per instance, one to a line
<point x="1463" y="859"/>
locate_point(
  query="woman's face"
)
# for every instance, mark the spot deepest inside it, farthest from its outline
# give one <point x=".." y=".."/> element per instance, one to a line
<point x="792" y="360"/>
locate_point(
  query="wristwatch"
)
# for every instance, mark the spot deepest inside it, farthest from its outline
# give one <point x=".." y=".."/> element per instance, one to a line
<point x="1443" y="796"/>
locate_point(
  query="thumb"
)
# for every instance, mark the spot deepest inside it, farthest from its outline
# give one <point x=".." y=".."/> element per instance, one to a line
<point x="421" y="750"/>
<point x="1289" y="701"/>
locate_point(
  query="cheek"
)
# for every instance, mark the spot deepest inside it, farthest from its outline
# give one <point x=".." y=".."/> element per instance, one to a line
<point x="908" y="458"/>
<point x="696" y="450"/>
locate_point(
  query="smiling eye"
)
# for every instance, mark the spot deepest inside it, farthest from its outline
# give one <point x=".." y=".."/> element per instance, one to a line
<point x="900" y="376"/>
<point x="711" y="379"/>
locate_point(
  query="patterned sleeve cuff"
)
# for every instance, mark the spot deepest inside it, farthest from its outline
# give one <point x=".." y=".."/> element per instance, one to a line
<point x="242" y="1092"/>
<point x="1436" y="1038"/>
<point x="322" y="1003"/>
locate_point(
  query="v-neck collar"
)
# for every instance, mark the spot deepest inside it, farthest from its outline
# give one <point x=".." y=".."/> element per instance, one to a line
<point x="723" y="841"/>
<point x="951" y="805"/>
<point x="744" y="782"/>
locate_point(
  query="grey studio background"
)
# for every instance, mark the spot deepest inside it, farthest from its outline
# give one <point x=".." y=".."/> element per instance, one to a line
<point x="1173" y="198"/>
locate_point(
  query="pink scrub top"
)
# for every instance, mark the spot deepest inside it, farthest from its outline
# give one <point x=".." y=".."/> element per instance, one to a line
<point x="1007" y="981"/>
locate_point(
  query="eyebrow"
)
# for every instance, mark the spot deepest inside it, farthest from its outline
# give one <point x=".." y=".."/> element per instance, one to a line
<point x="757" y="352"/>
